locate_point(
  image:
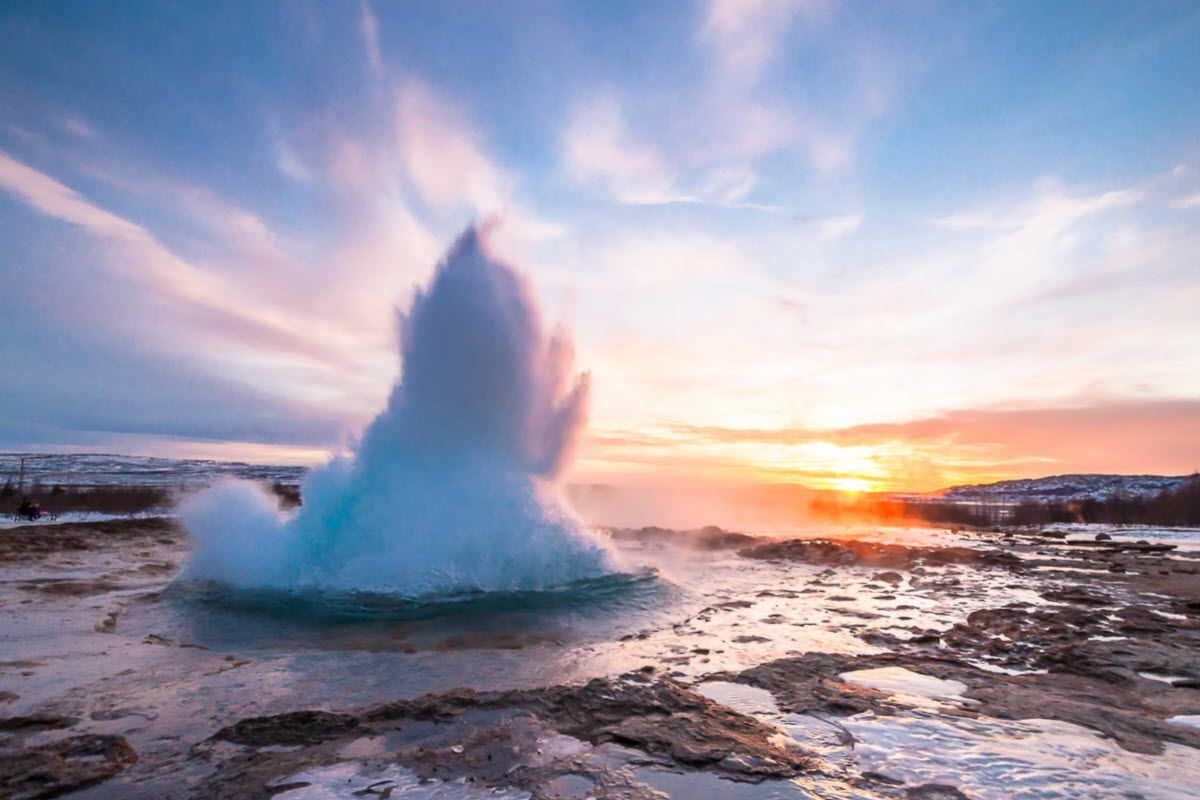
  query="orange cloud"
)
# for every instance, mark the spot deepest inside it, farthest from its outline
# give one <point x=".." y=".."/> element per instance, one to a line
<point x="960" y="446"/>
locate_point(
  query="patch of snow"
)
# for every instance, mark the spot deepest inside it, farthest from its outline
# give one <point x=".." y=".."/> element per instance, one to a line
<point x="1191" y="720"/>
<point x="1158" y="676"/>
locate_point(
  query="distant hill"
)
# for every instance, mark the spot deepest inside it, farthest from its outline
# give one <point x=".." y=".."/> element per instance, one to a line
<point x="104" y="469"/>
<point x="1065" y="487"/>
<point x="95" y="469"/>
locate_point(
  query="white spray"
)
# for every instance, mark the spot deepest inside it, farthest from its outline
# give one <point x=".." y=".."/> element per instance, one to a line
<point x="452" y="486"/>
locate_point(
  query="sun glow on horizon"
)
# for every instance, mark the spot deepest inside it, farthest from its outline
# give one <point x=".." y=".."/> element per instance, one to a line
<point x="853" y="485"/>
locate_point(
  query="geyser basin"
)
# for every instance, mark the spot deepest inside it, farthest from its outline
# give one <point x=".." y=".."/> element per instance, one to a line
<point x="453" y="486"/>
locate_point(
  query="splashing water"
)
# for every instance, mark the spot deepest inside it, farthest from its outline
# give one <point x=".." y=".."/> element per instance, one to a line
<point x="452" y="486"/>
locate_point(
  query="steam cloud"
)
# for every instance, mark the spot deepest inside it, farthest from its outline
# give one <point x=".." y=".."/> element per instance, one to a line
<point x="451" y="488"/>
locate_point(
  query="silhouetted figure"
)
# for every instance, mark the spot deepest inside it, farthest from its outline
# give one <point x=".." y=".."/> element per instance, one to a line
<point x="29" y="509"/>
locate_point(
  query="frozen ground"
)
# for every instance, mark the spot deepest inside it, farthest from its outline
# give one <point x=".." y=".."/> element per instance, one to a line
<point x="14" y="521"/>
<point x="890" y="663"/>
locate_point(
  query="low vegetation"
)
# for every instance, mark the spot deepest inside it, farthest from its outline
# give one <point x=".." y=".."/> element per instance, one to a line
<point x="60" y="499"/>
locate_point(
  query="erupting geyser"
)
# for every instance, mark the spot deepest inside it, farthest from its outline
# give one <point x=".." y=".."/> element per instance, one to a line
<point x="452" y="485"/>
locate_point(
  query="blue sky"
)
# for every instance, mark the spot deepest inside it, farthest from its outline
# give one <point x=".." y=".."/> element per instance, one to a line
<point x="898" y="243"/>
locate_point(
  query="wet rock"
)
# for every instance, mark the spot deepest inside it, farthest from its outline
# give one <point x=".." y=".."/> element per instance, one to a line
<point x="1141" y="546"/>
<point x="877" y="777"/>
<point x="295" y="727"/>
<point x="72" y="588"/>
<point x="1019" y="636"/>
<point x="1116" y="709"/>
<point x="889" y="577"/>
<point x="229" y="663"/>
<point x="732" y="604"/>
<point x="104" y="714"/>
<point x="496" y="640"/>
<point x="739" y="747"/>
<point x="935" y="791"/>
<point x="1103" y="537"/>
<point x="875" y="554"/>
<point x="1121" y="660"/>
<point x="1098" y="693"/>
<point x="1080" y="596"/>
<point x="1140" y="619"/>
<point x="707" y="538"/>
<point x="879" y="638"/>
<point x="662" y="718"/>
<point x="109" y="623"/>
<point x="35" y="722"/>
<point x="809" y="684"/>
<point x="50" y="770"/>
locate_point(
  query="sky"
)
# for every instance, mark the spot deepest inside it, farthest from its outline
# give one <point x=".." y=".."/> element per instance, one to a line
<point x="887" y="246"/>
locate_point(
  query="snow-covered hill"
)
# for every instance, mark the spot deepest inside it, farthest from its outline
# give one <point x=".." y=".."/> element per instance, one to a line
<point x="1065" y="487"/>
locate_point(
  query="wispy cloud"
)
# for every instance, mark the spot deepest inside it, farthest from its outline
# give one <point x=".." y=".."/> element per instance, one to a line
<point x="221" y="309"/>
<point x="598" y="147"/>
<point x="668" y="260"/>
<point x="369" y="25"/>
<point x="1051" y="211"/>
<point x="54" y="199"/>
<point x="746" y="34"/>
<point x="1191" y="201"/>
<point x="288" y="161"/>
<point x="77" y="127"/>
<point x="442" y="155"/>
<point x="837" y="227"/>
<point x="752" y="118"/>
<point x="744" y="118"/>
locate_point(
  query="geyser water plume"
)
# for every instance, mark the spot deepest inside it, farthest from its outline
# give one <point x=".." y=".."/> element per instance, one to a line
<point x="452" y="485"/>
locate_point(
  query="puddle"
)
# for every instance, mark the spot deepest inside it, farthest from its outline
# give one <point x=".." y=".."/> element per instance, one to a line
<point x="569" y="787"/>
<point x="355" y="779"/>
<point x="739" y="697"/>
<point x="989" y="759"/>
<point x="696" y="785"/>
<point x="552" y="747"/>
<point x="907" y="686"/>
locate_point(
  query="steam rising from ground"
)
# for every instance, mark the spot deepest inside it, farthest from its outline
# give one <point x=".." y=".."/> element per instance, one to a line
<point x="452" y="487"/>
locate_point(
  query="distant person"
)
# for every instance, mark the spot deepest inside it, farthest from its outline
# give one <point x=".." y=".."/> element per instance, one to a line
<point x="29" y="509"/>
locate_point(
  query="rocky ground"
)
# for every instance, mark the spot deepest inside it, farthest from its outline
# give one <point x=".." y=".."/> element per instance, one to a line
<point x="1099" y="638"/>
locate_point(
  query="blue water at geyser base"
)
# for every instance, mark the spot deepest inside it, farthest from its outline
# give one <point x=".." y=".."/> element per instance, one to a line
<point x="451" y="491"/>
<point x="293" y="622"/>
